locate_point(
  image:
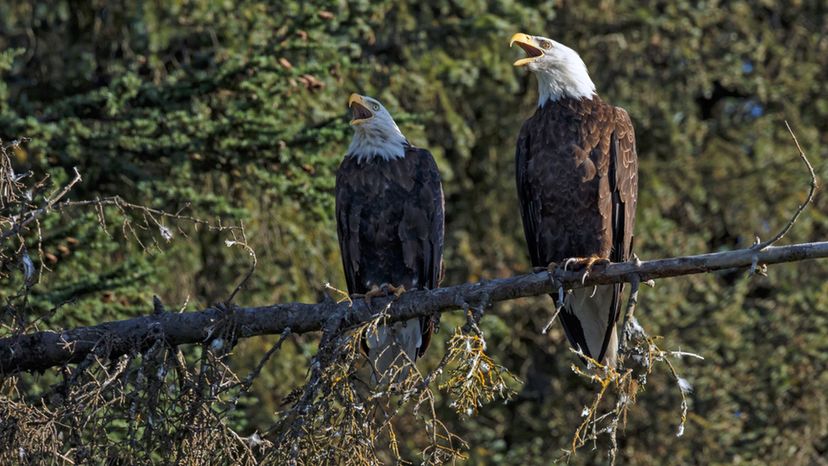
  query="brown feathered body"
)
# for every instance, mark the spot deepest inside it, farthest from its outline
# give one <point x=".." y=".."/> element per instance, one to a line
<point x="390" y="223"/>
<point x="577" y="180"/>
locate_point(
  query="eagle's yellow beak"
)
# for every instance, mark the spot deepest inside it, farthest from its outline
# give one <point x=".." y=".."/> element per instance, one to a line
<point x="529" y="45"/>
<point x="359" y="109"/>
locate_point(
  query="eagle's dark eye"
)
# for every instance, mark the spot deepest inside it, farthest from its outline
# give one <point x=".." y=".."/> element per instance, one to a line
<point x="376" y="107"/>
<point x="545" y="44"/>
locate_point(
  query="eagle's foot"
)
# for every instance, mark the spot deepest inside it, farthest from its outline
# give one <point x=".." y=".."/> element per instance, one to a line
<point x="374" y="292"/>
<point x="386" y="289"/>
<point x="397" y="291"/>
<point x="587" y="263"/>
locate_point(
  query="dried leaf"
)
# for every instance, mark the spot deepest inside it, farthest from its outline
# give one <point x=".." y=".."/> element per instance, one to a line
<point x="311" y="82"/>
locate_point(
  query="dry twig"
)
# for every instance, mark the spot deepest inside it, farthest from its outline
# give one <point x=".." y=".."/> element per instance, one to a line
<point x="811" y="192"/>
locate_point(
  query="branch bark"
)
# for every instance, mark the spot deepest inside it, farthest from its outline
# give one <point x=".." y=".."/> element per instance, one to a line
<point x="42" y="350"/>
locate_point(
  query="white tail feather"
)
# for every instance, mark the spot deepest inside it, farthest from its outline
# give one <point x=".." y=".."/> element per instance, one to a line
<point x="385" y="347"/>
<point x="592" y="311"/>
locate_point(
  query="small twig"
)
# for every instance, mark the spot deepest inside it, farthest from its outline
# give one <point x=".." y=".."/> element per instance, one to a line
<point x="98" y="204"/>
<point x="15" y="143"/>
<point x="344" y="294"/>
<point x="559" y="303"/>
<point x="157" y="305"/>
<point x="630" y="311"/>
<point x="808" y="200"/>
<point x="253" y="264"/>
<point x="552" y="319"/>
<point x="50" y="202"/>
<point x="248" y="381"/>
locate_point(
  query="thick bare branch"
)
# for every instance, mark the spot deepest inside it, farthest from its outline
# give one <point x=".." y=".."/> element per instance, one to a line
<point x="41" y="350"/>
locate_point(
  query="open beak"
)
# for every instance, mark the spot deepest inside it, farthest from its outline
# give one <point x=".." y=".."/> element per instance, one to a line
<point x="529" y="45"/>
<point x="359" y="110"/>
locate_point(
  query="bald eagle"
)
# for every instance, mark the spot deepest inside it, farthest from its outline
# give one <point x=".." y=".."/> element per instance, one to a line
<point x="389" y="217"/>
<point x="577" y="181"/>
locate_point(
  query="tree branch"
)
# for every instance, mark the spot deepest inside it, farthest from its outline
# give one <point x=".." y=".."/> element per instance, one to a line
<point x="811" y="191"/>
<point x="33" y="215"/>
<point x="41" y="350"/>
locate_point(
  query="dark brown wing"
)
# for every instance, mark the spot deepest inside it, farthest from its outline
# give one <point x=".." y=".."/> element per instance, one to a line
<point x="390" y="218"/>
<point x="624" y="186"/>
<point x="348" y="213"/>
<point x="433" y="268"/>
<point x="530" y="204"/>
<point x="424" y="243"/>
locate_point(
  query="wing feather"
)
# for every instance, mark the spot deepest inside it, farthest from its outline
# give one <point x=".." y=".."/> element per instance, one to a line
<point x="347" y="222"/>
<point x="623" y="179"/>
<point x="624" y="185"/>
<point x="529" y="205"/>
<point x="429" y="199"/>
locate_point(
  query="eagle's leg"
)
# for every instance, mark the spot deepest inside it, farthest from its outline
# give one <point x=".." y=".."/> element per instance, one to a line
<point x="587" y="263"/>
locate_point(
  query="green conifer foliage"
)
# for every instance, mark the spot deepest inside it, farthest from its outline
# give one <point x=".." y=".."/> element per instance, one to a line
<point x="236" y="111"/>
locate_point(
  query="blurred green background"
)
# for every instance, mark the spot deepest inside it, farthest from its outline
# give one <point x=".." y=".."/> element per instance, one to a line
<point x="237" y="109"/>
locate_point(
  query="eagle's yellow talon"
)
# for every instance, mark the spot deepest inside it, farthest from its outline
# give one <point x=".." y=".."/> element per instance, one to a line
<point x="373" y="293"/>
<point x="588" y="263"/>
<point x="397" y="291"/>
<point x="386" y="289"/>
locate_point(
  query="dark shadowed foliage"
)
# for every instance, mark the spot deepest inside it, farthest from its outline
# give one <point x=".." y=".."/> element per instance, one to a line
<point x="234" y="113"/>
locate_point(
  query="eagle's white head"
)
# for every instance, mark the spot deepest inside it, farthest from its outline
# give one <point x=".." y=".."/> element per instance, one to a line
<point x="375" y="133"/>
<point x="561" y="72"/>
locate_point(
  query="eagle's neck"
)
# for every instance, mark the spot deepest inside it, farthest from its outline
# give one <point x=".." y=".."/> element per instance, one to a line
<point x="383" y="141"/>
<point x="568" y="111"/>
<point x="568" y="82"/>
